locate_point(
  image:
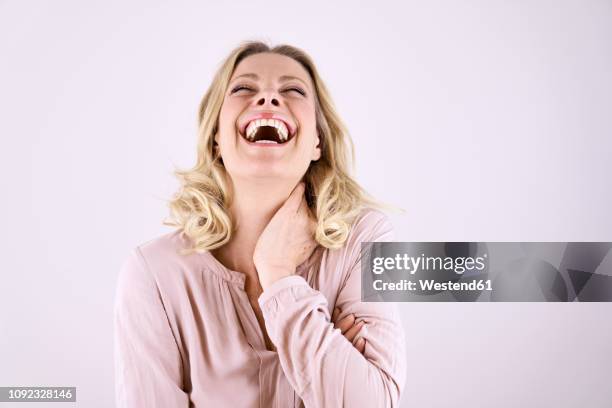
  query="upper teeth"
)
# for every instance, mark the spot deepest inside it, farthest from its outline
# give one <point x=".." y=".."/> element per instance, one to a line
<point x="278" y="124"/>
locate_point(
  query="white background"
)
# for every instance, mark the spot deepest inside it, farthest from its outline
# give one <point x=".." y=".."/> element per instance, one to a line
<point x="485" y="120"/>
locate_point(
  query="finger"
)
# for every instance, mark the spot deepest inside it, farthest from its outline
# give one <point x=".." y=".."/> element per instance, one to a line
<point x="307" y="219"/>
<point x="312" y="226"/>
<point x="309" y="246"/>
<point x="352" y="332"/>
<point x="346" y="323"/>
<point x="335" y="314"/>
<point x="360" y="345"/>
<point x="295" y="198"/>
<point x="303" y="207"/>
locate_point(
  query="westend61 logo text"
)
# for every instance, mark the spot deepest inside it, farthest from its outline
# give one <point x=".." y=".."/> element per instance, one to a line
<point x="413" y="264"/>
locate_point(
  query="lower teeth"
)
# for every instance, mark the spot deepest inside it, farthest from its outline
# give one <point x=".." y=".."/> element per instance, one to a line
<point x="266" y="141"/>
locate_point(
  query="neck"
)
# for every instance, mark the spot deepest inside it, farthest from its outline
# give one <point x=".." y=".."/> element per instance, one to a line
<point x="253" y="206"/>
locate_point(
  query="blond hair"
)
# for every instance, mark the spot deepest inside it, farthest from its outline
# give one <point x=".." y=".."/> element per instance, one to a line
<point x="200" y="207"/>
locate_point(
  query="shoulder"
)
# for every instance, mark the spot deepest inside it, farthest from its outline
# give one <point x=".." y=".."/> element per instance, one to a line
<point x="158" y="260"/>
<point x="370" y="225"/>
<point x="337" y="265"/>
<point x="165" y="250"/>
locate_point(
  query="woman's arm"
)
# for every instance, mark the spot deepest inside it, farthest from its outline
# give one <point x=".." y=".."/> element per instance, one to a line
<point x="148" y="370"/>
<point x="324" y="368"/>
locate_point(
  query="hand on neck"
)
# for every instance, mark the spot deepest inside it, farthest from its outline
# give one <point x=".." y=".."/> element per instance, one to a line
<point x="254" y="203"/>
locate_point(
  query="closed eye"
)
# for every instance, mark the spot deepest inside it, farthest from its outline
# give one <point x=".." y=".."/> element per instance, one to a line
<point x="241" y="87"/>
<point x="296" y="89"/>
<point x="244" y="87"/>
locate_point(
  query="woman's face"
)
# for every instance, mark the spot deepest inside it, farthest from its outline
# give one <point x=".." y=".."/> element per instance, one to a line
<point x="270" y="96"/>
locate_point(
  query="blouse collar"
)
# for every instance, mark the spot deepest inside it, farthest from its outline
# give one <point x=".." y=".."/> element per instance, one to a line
<point x="238" y="278"/>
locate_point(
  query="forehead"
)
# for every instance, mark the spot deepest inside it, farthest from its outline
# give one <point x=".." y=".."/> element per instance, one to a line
<point x="271" y="65"/>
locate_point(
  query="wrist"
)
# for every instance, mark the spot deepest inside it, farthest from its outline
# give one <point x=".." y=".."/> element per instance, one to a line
<point x="268" y="274"/>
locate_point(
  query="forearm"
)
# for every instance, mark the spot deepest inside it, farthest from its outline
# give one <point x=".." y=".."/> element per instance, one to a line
<point x="321" y="364"/>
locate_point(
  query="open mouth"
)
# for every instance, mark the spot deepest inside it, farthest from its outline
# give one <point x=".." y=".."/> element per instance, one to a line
<point x="268" y="132"/>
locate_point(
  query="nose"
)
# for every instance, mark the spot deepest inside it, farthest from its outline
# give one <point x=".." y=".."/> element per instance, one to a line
<point x="268" y="97"/>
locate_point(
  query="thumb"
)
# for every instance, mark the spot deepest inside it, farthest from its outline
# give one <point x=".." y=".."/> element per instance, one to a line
<point x="295" y="198"/>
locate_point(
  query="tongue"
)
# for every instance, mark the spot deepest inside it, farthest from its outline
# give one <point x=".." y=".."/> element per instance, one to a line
<point x="266" y="133"/>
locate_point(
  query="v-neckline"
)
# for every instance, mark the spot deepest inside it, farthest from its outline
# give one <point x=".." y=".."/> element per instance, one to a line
<point x="239" y="280"/>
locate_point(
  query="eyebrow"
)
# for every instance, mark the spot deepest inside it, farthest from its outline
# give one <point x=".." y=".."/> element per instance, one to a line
<point x="282" y="78"/>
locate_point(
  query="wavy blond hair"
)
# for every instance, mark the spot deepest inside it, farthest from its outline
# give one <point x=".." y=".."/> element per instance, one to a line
<point x="200" y="207"/>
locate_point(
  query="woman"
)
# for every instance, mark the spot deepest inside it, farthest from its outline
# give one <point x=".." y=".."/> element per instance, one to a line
<point x="254" y="300"/>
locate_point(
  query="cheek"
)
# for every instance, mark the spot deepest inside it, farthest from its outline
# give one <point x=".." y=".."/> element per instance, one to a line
<point x="226" y="130"/>
<point x="229" y="114"/>
<point x="310" y="130"/>
<point x="305" y="114"/>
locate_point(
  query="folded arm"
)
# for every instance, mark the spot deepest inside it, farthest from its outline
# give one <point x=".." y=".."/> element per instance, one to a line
<point x="324" y="368"/>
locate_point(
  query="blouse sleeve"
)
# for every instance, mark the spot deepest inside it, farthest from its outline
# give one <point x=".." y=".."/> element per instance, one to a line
<point x="148" y="371"/>
<point x="324" y="368"/>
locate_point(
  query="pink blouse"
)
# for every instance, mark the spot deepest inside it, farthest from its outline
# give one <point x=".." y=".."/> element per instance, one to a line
<point x="187" y="336"/>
